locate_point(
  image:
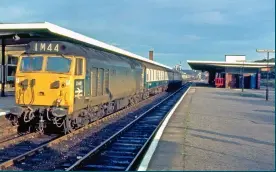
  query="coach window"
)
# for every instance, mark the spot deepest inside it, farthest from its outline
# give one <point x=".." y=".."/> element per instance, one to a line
<point x="147" y="71"/>
<point x="79" y="66"/>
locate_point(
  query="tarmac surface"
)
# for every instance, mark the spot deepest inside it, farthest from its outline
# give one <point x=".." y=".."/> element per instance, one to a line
<point x="6" y="103"/>
<point x="218" y="129"/>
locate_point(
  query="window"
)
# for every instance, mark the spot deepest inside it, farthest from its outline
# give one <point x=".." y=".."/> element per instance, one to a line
<point x="58" y="64"/>
<point x="79" y="66"/>
<point x="33" y="63"/>
<point x="150" y="73"/>
<point x="10" y="73"/>
<point x="12" y="60"/>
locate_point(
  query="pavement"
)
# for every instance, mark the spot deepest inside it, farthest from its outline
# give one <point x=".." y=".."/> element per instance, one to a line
<point x="5" y="104"/>
<point x="218" y="129"/>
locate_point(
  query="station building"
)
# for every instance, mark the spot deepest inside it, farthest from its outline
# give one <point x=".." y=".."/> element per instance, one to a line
<point x="12" y="52"/>
<point x="233" y="72"/>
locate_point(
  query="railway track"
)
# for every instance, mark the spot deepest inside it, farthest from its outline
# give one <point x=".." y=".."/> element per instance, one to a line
<point x="14" y="148"/>
<point x="27" y="158"/>
<point x="8" y="132"/>
<point x="122" y="150"/>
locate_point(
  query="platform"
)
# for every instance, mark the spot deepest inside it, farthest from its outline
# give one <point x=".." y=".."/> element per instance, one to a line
<point x="217" y="129"/>
<point x="6" y="103"/>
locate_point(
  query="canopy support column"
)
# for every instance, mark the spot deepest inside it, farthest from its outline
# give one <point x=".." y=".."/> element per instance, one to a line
<point x="3" y="82"/>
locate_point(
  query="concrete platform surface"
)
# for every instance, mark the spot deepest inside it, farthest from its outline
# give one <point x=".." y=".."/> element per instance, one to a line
<point x="6" y="103"/>
<point x="218" y="129"/>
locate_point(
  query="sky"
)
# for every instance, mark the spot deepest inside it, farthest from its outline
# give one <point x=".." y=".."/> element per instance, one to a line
<point x="177" y="30"/>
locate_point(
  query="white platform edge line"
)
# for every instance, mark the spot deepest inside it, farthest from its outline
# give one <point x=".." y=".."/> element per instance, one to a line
<point x="3" y="113"/>
<point x="146" y="159"/>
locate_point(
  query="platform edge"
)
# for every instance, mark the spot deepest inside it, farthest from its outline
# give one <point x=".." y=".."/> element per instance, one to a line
<point x="146" y="159"/>
<point x="3" y="113"/>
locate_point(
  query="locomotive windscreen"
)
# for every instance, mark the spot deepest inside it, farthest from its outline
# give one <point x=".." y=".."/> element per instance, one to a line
<point x="58" y="64"/>
<point x="33" y="63"/>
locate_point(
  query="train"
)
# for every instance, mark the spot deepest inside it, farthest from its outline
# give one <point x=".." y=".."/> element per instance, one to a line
<point x="66" y="85"/>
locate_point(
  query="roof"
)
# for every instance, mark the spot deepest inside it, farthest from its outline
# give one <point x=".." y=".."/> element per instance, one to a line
<point x="220" y="65"/>
<point x="47" y="31"/>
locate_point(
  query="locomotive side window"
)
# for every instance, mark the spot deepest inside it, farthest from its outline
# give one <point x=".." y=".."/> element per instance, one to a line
<point x="79" y="66"/>
<point x="94" y="81"/>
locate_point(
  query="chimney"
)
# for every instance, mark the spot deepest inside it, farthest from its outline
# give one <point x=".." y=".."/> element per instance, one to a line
<point x="151" y="55"/>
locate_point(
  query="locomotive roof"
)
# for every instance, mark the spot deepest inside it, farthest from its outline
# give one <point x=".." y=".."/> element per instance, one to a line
<point x="47" y="31"/>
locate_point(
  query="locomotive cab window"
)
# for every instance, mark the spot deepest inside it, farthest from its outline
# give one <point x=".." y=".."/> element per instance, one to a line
<point x="79" y="66"/>
<point x="58" y="64"/>
<point x="33" y="63"/>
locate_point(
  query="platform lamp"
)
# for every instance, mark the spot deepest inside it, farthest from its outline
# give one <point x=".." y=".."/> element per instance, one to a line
<point x="242" y="72"/>
<point x="267" y="59"/>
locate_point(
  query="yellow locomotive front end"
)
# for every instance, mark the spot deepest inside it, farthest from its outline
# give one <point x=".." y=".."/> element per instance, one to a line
<point x="44" y="80"/>
<point x="45" y="87"/>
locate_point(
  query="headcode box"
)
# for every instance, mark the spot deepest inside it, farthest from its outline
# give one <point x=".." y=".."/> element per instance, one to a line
<point x="234" y="58"/>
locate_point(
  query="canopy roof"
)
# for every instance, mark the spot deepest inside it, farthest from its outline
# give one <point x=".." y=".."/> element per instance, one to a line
<point x="221" y="65"/>
<point x="28" y="32"/>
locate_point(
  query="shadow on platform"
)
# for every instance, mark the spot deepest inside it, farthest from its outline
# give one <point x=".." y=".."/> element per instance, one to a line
<point x="201" y="84"/>
<point x="254" y="101"/>
<point x="248" y="139"/>
<point x="240" y="94"/>
<point x="8" y="93"/>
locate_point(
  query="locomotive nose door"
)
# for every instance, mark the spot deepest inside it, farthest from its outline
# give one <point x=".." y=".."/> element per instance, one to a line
<point x="79" y="82"/>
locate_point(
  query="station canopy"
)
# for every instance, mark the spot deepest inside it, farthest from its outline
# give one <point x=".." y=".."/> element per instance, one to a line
<point x="222" y="65"/>
<point x="23" y="33"/>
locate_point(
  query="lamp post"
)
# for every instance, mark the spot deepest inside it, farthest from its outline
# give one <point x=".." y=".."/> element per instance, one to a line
<point x="242" y="72"/>
<point x="267" y="58"/>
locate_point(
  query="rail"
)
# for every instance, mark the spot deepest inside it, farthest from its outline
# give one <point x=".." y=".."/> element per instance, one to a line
<point x="10" y="162"/>
<point x="122" y="150"/>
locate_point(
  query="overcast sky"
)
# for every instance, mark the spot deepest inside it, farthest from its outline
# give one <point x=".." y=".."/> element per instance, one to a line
<point x="177" y="30"/>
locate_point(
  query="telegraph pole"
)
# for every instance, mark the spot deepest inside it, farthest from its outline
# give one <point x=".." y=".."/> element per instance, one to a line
<point x="267" y="59"/>
<point x="242" y="73"/>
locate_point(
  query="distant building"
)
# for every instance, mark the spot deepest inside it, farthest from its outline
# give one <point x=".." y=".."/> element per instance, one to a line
<point x="234" y="72"/>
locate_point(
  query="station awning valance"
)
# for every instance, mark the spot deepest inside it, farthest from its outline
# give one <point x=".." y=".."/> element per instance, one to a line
<point x="24" y="33"/>
<point x="221" y="65"/>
